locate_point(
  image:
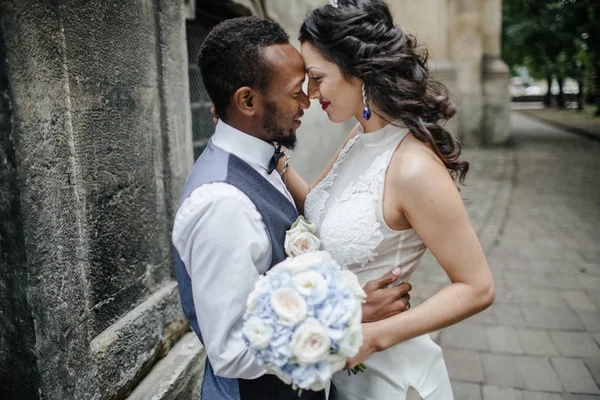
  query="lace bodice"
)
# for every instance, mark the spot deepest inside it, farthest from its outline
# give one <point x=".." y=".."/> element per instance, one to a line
<point x="347" y="207"/>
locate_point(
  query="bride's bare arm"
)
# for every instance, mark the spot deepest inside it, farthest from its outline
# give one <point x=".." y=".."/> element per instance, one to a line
<point x="432" y="204"/>
<point x="298" y="187"/>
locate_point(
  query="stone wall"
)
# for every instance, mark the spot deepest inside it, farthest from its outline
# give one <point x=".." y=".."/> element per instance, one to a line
<point x="95" y="144"/>
<point x="17" y="334"/>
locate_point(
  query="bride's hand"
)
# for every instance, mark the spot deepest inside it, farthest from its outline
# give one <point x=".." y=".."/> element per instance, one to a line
<point x="369" y="346"/>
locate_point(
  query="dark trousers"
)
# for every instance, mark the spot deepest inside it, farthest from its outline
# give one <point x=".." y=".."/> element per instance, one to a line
<point x="270" y="387"/>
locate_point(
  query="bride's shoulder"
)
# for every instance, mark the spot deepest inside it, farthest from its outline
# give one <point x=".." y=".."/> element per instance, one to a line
<point x="414" y="162"/>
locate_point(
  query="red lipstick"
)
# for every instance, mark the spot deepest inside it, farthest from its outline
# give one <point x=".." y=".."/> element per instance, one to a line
<point x="324" y="104"/>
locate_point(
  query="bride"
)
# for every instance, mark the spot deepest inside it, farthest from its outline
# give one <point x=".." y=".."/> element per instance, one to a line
<point x="390" y="192"/>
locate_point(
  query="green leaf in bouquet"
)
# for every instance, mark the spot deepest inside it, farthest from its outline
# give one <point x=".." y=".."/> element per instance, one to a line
<point x="359" y="368"/>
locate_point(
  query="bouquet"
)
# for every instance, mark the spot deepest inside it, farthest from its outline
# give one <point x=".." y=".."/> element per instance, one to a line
<point x="303" y="318"/>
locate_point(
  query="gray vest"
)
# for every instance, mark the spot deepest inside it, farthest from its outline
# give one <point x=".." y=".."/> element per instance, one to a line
<point x="278" y="214"/>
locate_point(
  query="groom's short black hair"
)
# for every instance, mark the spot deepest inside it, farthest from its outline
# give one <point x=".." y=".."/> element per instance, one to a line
<point x="231" y="57"/>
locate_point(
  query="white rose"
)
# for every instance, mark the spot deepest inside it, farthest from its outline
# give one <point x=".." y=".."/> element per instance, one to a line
<point x="356" y="318"/>
<point x="350" y="280"/>
<point x="307" y="260"/>
<point x="350" y="344"/>
<point x="337" y="362"/>
<point x="289" y="265"/>
<point x="308" y="282"/>
<point x="251" y="302"/>
<point x="258" y="332"/>
<point x="304" y="225"/>
<point x="253" y="296"/>
<point x="336" y="334"/>
<point x="310" y="343"/>
<point x="319" y="385"/>
<point x="302" y="262"/>
<point x="285" y="265"/>
<point x="289" y="306"/>
<point x="298" y="242"/>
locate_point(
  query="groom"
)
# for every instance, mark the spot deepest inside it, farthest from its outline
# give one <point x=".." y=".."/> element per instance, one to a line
<point x="235" y="209"/>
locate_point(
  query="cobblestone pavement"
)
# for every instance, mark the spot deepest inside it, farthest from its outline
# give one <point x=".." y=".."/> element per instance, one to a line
<point x="536" y="208"/>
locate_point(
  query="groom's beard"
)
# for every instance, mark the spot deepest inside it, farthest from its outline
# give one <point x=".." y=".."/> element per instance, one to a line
<point x="275" y="132"/>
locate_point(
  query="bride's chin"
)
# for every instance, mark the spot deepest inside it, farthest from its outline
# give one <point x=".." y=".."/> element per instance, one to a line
<point x="337" y="119"/>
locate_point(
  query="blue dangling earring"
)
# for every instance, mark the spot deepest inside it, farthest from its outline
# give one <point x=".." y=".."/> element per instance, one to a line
<point x="366" y="112"/>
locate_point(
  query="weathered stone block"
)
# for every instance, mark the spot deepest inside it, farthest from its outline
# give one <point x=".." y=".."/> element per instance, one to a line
<point x="574" y="376"/>
<point x="177" y="376"/>
<point x="94" y="164"/>
<point x="126" y="351"/>
<point x="503" y="340"/>
<point x="501" y="393"/>
<point x="538" y="374"/>
<point x="454" y="336"/>
<point x="547" y="318"/>
<point x="464" y="365"/>
<point x="536" y="343"/>
<point x="466" y="391"/>
<point x="502" y="370"/>
<point x="575" y="344"/>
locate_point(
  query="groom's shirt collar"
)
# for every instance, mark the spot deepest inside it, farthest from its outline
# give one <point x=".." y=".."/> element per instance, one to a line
<point x="253" y="151"/>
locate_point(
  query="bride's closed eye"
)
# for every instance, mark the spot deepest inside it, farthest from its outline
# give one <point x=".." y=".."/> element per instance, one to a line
<point x="316" y="78"/>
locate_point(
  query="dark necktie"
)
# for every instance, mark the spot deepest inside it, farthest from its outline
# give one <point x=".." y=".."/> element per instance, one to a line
<point x="275" y="159"/>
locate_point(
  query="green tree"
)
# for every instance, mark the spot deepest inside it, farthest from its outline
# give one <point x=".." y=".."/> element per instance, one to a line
<point x="552" y="38"/>
<point x="582" y="19"/>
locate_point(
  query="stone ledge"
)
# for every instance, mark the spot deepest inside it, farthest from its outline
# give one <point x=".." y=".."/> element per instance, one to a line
<point x="126" y="351"/>
<point x="177" y="376"/>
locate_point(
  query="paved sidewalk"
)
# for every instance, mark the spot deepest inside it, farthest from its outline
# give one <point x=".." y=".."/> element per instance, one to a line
<point x="585" y="123"/>
<point x="536" y="208"/>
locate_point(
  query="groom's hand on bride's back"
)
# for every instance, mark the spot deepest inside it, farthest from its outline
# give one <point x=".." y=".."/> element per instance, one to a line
<point x="383" y="302"/>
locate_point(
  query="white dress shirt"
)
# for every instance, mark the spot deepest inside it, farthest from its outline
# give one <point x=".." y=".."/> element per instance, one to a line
<point x="223" y="242"/>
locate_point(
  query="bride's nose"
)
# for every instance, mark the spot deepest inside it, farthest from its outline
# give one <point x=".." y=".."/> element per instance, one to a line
<point x="313" y="90"/>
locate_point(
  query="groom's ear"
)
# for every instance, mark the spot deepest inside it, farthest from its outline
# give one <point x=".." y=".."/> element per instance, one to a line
<point x="244" y="99"/>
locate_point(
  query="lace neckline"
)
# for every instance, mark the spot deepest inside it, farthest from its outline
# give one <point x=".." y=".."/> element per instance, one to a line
<point x="382" y="136"/>
<point x="316" y="198"/>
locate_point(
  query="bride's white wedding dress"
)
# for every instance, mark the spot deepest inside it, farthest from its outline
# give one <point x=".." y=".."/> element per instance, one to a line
<point x="347" y="209"/>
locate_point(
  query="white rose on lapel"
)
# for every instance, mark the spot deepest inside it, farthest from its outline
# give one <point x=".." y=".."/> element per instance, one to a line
<point x="301" y="238"/>
<point x="297" y="243"/>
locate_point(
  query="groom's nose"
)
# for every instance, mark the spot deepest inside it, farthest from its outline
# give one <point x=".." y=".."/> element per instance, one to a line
<point x="304" y="101"/>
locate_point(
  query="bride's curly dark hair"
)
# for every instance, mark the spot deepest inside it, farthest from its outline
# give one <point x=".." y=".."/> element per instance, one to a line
<point x="360" y="37"/>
